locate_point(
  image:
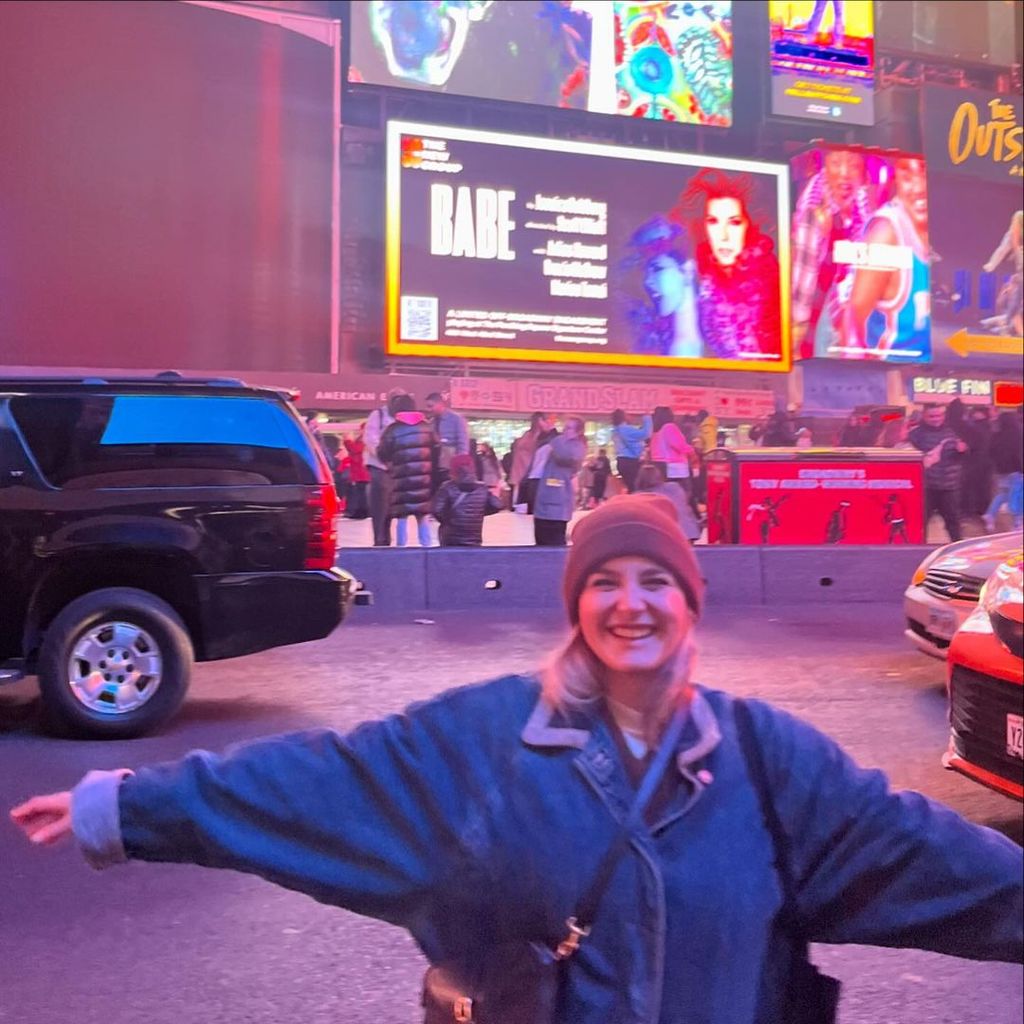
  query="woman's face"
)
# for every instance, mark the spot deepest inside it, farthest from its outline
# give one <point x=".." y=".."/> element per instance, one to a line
<point x="664" y="283"/>
<point x="726" y="225"/>
<point x="633" y="615"/>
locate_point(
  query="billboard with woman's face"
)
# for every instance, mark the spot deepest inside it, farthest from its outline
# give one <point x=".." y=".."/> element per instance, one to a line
<point x="511" y="247"/>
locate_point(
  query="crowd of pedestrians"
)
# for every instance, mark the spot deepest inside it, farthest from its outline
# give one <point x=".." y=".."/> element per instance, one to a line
<point x="422" y="465"/>
<point x="972" y="466"/>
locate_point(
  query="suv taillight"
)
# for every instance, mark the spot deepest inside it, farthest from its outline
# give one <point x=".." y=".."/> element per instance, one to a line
<point x="322" y="530"/>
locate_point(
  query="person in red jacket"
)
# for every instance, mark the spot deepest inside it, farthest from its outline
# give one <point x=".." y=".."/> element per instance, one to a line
<point x="359" y="476"/>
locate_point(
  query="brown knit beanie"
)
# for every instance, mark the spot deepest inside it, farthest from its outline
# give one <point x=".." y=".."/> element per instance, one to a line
<point x="632" y="524"/>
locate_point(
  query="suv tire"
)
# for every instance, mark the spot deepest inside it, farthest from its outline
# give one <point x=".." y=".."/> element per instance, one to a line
<point x="138" y="627"/>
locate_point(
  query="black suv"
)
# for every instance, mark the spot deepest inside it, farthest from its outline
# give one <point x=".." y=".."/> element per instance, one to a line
<point x="148" y="523"/>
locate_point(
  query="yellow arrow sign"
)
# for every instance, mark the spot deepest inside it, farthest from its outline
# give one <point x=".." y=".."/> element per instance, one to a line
<point x="963" y="343"/>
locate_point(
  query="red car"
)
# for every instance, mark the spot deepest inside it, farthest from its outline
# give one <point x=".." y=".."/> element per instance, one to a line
<point x="986" y="686"/>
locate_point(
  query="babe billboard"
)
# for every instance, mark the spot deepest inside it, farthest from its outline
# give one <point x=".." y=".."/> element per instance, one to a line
<point x="656" y="60"/>
<point x="861" y="256"/>
<point x="823" y="59"/>
<point x="511" y="247"/>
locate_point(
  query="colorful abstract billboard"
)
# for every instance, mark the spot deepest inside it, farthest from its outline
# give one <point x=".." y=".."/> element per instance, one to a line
<point x="507" y="247"/>
<point x="673" y="62"/>
<point x="651" y="59"/>
<point x="861" y="257"/>
<point x="823" y="59"/>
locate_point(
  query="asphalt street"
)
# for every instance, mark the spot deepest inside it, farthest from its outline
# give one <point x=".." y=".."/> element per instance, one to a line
<point x="156" y="944"/>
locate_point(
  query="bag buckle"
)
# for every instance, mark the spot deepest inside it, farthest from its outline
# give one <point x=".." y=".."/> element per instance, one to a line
<point x="571" y="942"/>
<point x="462" y="1010"/>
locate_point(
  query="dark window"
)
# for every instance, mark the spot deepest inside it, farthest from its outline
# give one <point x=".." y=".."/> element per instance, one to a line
<point x="13" y="464"/>
<point x="100" y="441"/>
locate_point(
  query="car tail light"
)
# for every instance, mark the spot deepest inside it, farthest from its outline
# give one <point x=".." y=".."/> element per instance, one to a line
<point x="322" y="507"/>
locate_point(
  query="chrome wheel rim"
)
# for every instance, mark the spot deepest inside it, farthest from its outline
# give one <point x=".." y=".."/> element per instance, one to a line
<point x="114" y="668"/>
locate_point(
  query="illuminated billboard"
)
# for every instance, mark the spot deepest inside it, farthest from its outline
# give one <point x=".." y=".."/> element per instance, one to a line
<point x="823" y="59"/>
<point x="861" y="256"/>
<point x="505" y="246"/>
<point x="655" y="60"/>
<point x="974" y="142"/>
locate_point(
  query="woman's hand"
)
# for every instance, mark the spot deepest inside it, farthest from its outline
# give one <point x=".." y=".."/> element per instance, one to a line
<point x="45" y="820"/>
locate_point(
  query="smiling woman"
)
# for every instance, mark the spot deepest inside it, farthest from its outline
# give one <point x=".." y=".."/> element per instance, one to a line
<point x="633" y="613"/>
<point x="610" y="842"/>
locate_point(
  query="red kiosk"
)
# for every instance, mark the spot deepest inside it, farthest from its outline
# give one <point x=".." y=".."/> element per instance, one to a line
<point x="815" y="496"/>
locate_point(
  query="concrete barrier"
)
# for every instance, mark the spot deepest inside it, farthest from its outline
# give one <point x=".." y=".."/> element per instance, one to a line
<point x="494" y="577"/>
<point x="836" y="574"/>
<point x="734" y="574"/>
<point x="397" y="577"/>
<point x="466" y="579"/>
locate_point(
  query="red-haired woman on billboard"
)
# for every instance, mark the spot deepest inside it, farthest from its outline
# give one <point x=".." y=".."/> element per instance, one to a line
<point x="737" y="268"/>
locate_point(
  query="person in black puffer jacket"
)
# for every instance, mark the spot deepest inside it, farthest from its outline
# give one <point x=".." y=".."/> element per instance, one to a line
<point x="461" y="504"/>
<point x="409" y="449"/>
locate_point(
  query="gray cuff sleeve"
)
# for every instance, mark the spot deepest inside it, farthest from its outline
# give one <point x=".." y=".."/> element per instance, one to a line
<point x="95" y="818"/>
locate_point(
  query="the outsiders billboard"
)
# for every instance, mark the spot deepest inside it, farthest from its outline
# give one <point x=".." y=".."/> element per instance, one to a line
<point x="861" y="260"/>
<point x="512" y="247"/>
<point x="823" y="59"/>
<point x="976" y="182"/>
<point x="966" y="131"/>
<point x="657" y="60"/>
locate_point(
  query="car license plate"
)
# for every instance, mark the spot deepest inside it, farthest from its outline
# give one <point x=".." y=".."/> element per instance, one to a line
<point x="941" y="623"/>
<point x="1015" y="736"/>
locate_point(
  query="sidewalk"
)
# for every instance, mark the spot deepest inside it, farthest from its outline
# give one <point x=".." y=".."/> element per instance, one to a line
<point x="504" y="529"/>
<point x="510" y="529"/>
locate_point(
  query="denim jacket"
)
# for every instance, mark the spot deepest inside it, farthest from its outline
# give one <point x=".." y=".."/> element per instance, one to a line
<point x="481" y="816"/>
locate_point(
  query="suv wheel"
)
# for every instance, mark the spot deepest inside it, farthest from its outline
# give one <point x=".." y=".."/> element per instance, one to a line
<point x="114" y="664"/>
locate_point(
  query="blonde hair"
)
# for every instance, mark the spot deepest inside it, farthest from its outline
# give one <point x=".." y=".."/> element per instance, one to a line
<point x="574" y="678"/>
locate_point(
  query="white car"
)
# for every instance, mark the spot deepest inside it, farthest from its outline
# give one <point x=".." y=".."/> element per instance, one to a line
<point x="945" y="588"/>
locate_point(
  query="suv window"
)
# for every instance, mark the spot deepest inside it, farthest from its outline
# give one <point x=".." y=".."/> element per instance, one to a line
<point x="98" y="441"/>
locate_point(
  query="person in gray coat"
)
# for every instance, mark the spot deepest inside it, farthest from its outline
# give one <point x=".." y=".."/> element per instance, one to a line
<point x="554" y="505"/>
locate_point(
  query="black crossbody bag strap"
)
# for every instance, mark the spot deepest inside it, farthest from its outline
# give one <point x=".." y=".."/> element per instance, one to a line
<point x="812" y="997"/>
<point x="519" y="983"/>
<point x="586" y="909"/>
<point x="759" y="776"/>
